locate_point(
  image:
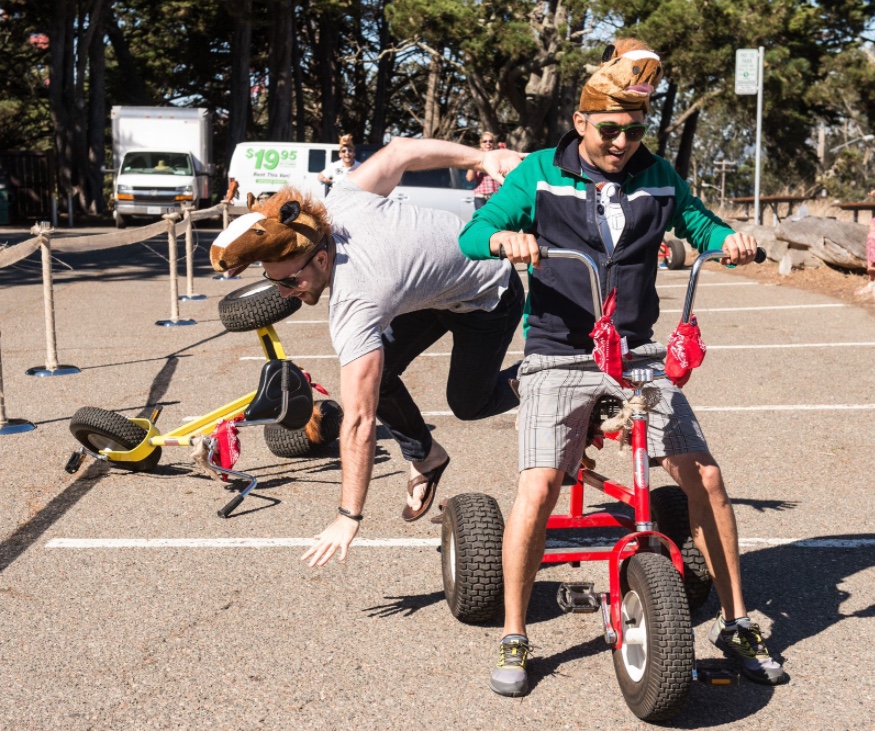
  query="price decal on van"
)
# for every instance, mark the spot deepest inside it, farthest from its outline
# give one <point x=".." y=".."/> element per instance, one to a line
<point x="270" y="159"/>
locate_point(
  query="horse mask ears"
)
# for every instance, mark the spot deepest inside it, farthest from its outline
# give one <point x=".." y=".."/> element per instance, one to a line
<point x="289" y="212"/>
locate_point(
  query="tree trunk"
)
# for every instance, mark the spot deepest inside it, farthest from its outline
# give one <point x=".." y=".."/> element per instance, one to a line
<point x="385" y="68"/>
<point x="685" y="148"/>
<point x="241" y="42"/>
<point x="279" y="102"/>
<point x="132" y="87"/>
<point x="665" y="118"/>
<point x="96" y="203"/>
<point x="432" y="98"/>
<point x="60" y="87"/>
<point x="326" y="50"/>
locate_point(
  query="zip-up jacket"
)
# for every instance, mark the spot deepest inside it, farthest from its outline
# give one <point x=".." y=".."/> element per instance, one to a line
<point x="548" y="196"/>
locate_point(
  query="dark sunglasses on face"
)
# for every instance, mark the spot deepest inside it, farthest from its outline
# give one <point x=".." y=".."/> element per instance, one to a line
<point x="292" y="282"/>
<point x="611" y="130"/>
<point x="487" y="142"/>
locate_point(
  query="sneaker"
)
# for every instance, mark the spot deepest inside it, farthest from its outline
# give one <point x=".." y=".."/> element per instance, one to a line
<point x="509" y="677"/>
<point x="745" y="644"/>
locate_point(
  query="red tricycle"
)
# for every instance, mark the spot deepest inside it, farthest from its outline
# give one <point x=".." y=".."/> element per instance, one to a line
<point x="656" y="574"/>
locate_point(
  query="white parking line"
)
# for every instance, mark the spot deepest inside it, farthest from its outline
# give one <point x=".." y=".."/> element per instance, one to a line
<point x="761" y="407"/>
<point x="758" y="309"/>
<point x="115" y="543"/>
<point x="710" y="284"/>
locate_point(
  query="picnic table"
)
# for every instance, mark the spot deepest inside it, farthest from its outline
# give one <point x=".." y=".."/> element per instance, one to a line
<point x="857" y="207"/>
<point x="773" y="201"/>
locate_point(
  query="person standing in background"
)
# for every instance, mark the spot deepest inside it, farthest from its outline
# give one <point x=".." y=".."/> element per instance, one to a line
<point x="868" y="289"/>
<point x="486" y="187"/>
<point x="342" y="167"/>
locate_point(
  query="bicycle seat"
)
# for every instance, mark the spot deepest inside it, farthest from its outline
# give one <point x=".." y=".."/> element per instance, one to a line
<point x="268" y="401"/>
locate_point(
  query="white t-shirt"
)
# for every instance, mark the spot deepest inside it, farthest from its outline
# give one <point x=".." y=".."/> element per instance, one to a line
<point x="337" y="170"/>
<point x="393" y="258"/>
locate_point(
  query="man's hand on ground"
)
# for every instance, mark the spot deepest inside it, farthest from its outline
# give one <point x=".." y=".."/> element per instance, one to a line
<point x="336" y="536"/>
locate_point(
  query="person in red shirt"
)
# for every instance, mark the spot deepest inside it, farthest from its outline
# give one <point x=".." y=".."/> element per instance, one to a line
<point x="486" y="186"/>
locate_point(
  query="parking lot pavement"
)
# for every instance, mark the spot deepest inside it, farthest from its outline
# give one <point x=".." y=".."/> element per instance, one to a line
<point x="125" y="603"/>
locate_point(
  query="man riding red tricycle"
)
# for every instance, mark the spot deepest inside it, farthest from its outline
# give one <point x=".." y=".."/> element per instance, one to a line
<point x="656" y="574"/>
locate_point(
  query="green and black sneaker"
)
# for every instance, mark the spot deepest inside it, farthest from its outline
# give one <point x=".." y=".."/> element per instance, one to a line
<point x="744" y="643"/>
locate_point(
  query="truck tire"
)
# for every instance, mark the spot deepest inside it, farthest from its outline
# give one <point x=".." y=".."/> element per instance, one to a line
<point x="671" y="515"/>
<point x="471" y="538"/>
<point x="654" y="666"/>
<point x="99" y="429"/>
<point x="290" y="443"/>
<point x="120" y="221"/>
<point x="256" y="305"/>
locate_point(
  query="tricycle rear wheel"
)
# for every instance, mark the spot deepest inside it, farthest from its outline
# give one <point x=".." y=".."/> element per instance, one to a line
<point x="256" y="305"/>
<point x="671" y="514"/>
<point x="471" y="539"/>
<point x="290" y="443"/>
<point x="655" y="663"/>
<point x="98" y="429"/>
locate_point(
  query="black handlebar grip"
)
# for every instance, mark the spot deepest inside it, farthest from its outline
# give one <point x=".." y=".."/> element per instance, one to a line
<point x="230" y="507"/>
<point x="761" y="255"/>
<point x="286" y="376"/>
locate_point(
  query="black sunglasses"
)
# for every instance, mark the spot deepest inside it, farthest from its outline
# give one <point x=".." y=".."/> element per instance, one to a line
<point x="611" y="130"/>
<point x="292" y="282"/>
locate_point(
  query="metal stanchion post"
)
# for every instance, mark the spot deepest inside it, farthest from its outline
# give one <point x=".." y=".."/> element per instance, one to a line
<point x="174" y="320"/>
<point x="10" y="426"/>
<point x="189" y="260"/>
<point x="44" y="230"/>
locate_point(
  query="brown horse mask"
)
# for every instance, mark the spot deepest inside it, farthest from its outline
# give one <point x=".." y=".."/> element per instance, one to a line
<point x="286" y="225"/>
<point x="629" y="73"/>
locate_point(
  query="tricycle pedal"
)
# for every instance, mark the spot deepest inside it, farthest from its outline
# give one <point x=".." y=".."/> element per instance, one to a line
<point x="577" y="598"/>
<point x="75" y="461"/>
<point x="716" y="676"/>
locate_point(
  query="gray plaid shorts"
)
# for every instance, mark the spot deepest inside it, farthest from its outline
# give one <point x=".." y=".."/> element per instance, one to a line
<point x="557" y="394"/>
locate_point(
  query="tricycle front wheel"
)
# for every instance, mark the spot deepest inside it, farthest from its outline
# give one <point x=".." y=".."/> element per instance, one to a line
<point x="99" y="429"/>
<point x="654" y="665"/>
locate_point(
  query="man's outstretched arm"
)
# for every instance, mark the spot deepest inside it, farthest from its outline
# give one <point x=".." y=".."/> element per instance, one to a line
<point x="382" y="172"/>
<point x="359" y="394"/>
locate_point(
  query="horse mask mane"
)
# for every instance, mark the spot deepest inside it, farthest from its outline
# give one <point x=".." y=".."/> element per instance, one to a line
<point x="629" y="73"/>
<point x="284" y="226"/>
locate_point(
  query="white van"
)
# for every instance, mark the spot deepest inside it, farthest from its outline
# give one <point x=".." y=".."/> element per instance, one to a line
<point x="262" y="168"/>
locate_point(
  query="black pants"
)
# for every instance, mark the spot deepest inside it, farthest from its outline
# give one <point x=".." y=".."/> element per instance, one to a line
<point x="476" y="385"/>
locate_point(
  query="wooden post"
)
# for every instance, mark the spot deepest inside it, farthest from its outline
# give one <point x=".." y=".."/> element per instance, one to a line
<point x="189" y="260"/>
<point x="173" y="258"/>
<point x="10" y="426"/>
<point x="225" y="214"/>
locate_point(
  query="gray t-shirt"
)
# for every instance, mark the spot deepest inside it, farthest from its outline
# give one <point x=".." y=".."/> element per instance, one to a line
<point x="393" y="258"/>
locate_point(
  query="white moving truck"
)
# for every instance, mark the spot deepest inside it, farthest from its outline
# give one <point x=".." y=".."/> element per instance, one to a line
<point x="162" y="157"/>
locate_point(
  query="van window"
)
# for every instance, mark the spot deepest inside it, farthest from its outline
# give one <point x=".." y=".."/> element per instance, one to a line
<point x="439" y="178"/>
<point x="316" y="162"/>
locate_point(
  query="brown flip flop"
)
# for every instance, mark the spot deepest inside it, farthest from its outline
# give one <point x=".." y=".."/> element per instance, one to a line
<point x="430" y="480"/>
<point x="438" y="518"/>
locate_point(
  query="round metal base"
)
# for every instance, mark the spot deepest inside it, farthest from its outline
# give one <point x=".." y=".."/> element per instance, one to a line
<point x="193" y="298"/>
<point x="16" y="426"/>
<point x="177" y="323"/>
<point x="61" y="370"/>
<point x="222" y="276"/>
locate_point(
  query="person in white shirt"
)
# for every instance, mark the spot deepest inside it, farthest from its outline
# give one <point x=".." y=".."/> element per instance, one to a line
<point x="339" y="169"/>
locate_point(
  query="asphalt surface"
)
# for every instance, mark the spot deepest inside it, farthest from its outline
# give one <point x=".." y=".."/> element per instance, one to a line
<point x="212" y="636"/>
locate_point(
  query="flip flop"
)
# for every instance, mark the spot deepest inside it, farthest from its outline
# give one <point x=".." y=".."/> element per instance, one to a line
<point x="430" y="480"/>
<point x="439" y="518"/>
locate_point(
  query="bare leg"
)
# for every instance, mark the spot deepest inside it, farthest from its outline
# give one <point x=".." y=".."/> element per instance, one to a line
<point x="712" y="523"/>
<point x="437" y="455"/>
<point x="524" y="539"/>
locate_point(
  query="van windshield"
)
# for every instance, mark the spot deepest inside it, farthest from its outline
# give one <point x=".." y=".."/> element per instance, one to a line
<point x="157" y="163"/>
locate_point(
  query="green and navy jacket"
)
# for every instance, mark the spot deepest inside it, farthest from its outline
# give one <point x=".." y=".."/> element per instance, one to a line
<point x="548" y="196"/>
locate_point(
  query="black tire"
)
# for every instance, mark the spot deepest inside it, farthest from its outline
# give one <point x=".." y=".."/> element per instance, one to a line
<point x="120" y="221"/>
<point x="288" y="443"/>
<point x="98" y="429"/>
<point x="256" y="305"/>
<point x="471" y="557"/>
<point x="655" y="672"/>
<point x="671" y="515"/>
<point x="676" y="256"/>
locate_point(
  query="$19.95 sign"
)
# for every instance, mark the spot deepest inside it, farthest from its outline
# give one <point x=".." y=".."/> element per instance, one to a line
<point x="270" y="159"/>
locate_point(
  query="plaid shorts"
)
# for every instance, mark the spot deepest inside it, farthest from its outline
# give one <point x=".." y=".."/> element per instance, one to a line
<point x="557" y="394"/>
